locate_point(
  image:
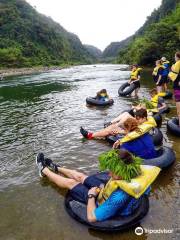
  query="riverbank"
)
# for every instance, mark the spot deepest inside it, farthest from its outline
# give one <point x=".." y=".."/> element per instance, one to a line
<point x="9" y="72"/>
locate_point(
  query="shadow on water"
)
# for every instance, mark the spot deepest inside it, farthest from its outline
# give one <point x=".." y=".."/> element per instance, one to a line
<point x="31" y="91"/>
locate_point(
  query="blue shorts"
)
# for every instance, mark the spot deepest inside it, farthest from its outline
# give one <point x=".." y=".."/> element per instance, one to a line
<point x="80" y="191"/>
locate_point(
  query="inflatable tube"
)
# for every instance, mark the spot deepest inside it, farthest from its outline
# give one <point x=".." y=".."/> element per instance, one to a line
<point x="168" y="95"/>
<point x="166" y="157"/>
<point x="95" y="102"/>
<point x="78" y="211"/>
<point x="157" y="136"/>
<point x="172" y="126"/>
<point x="155" y="133"/>
<point x="126" y="89"/>
<point x="166" y="110"/>
<point x="158" y="118"/>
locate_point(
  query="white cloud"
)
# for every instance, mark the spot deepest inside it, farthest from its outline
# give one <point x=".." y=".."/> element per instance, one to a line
<point x="98" y="22"/>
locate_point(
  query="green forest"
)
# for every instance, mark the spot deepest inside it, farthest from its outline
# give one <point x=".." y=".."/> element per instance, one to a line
<point x="159" y="36"/>
<point x="28" y="38"/>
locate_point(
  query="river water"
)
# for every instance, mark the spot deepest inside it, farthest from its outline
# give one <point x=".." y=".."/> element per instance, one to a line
<point x="44" y="113"/>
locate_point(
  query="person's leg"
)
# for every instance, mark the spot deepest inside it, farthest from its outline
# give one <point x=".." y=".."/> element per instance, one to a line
<point x="178" y="111"/>
<point x="104" y="132"/>
<point x="136" y="92"/>
<point x="125" y="116"/>
<point x="159" y="89"/>
<point x="120" y="117"/>
<point x="100" y="134"/>
<point x="78" y="191"/>
<point x="73" y="174"/>
<point x="164" y="87"/>
<point x="60" y="181"/>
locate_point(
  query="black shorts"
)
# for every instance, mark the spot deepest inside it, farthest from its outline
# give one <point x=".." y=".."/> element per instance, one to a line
<point x="160" y="82"/>
<point x="80" y="191"/>
<point x="137" y="84"/>
<point x="131" y="112"/>
<point x="165" y="79"/>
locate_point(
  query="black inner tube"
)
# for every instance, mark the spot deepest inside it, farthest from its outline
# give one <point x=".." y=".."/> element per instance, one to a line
<point x="158" y="118"/>
<point x="126" y="89"/>
<point x="95" y="102"/>
<point x="168" y="95"/>
<point x="78" y="211"/>
<point x="173" y="126"/>
<point x="165" y="158"/>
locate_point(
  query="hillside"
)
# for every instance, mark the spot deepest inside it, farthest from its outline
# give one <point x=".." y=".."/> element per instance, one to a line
<point x="113" y="48"/>
<point x="93" y="51"/>
<point x="121" y="50"/>
<point x="28" y="38"/>
<point x="159" y="36"/>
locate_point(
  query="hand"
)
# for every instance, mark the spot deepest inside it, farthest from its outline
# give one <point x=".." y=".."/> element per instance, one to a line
<point x="157" y="83"/>
<point x="79" y="177"/>
<point x="94" y="191"/>
<point x="115" y="132"/>
<point x="116" y="144"/>
<point x="107" y="124"/>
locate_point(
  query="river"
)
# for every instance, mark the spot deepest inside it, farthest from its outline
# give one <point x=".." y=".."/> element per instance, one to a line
<point x="43" y="112"/>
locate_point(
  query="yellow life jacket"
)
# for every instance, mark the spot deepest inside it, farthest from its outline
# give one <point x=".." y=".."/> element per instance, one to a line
<point x="166" y="62"/>
<point x="103" y="95"/>
<point x="154" y="100"/>
<point x="153" y="110"/>
<point x="143" y="128"/>
<point x="135" y="188"/>
<point x="175" y="71"/>
<point x="134" y="74"/>
<point x="162" y="94"/>
<point x="156" y="69"/>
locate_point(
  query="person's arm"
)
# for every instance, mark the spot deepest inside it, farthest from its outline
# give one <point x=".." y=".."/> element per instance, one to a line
<point x="91" y="205"/>
<point x="163" y="106"/>
<point x="117" y="119"/>
<point x="129" y="81"/>
<point x="117" y="201"/>
<point x="159" y="79"/>
<point x="162" y="103"/>
<point x="90" y="210"/>
<point x="122" y="116"/>
<point x="116" y="144"/>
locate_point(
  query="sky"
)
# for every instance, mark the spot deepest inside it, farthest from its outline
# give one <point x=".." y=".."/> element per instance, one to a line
<point x="98" y="22"/>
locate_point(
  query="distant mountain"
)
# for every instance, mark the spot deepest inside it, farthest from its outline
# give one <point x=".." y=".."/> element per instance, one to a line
<point x="93" y="51"/>
<point x="28" y="38"/>
<point x="159" y="36"/>
<point x="113" y="49"/>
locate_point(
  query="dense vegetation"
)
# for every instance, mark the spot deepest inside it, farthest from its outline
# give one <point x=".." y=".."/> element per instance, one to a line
<point x="28" y="38"/>
<point x="159" y="36"/>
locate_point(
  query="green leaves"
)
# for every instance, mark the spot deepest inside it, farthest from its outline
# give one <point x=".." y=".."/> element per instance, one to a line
<point x="110" y="161"/>
<point x="147" y="103"/>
